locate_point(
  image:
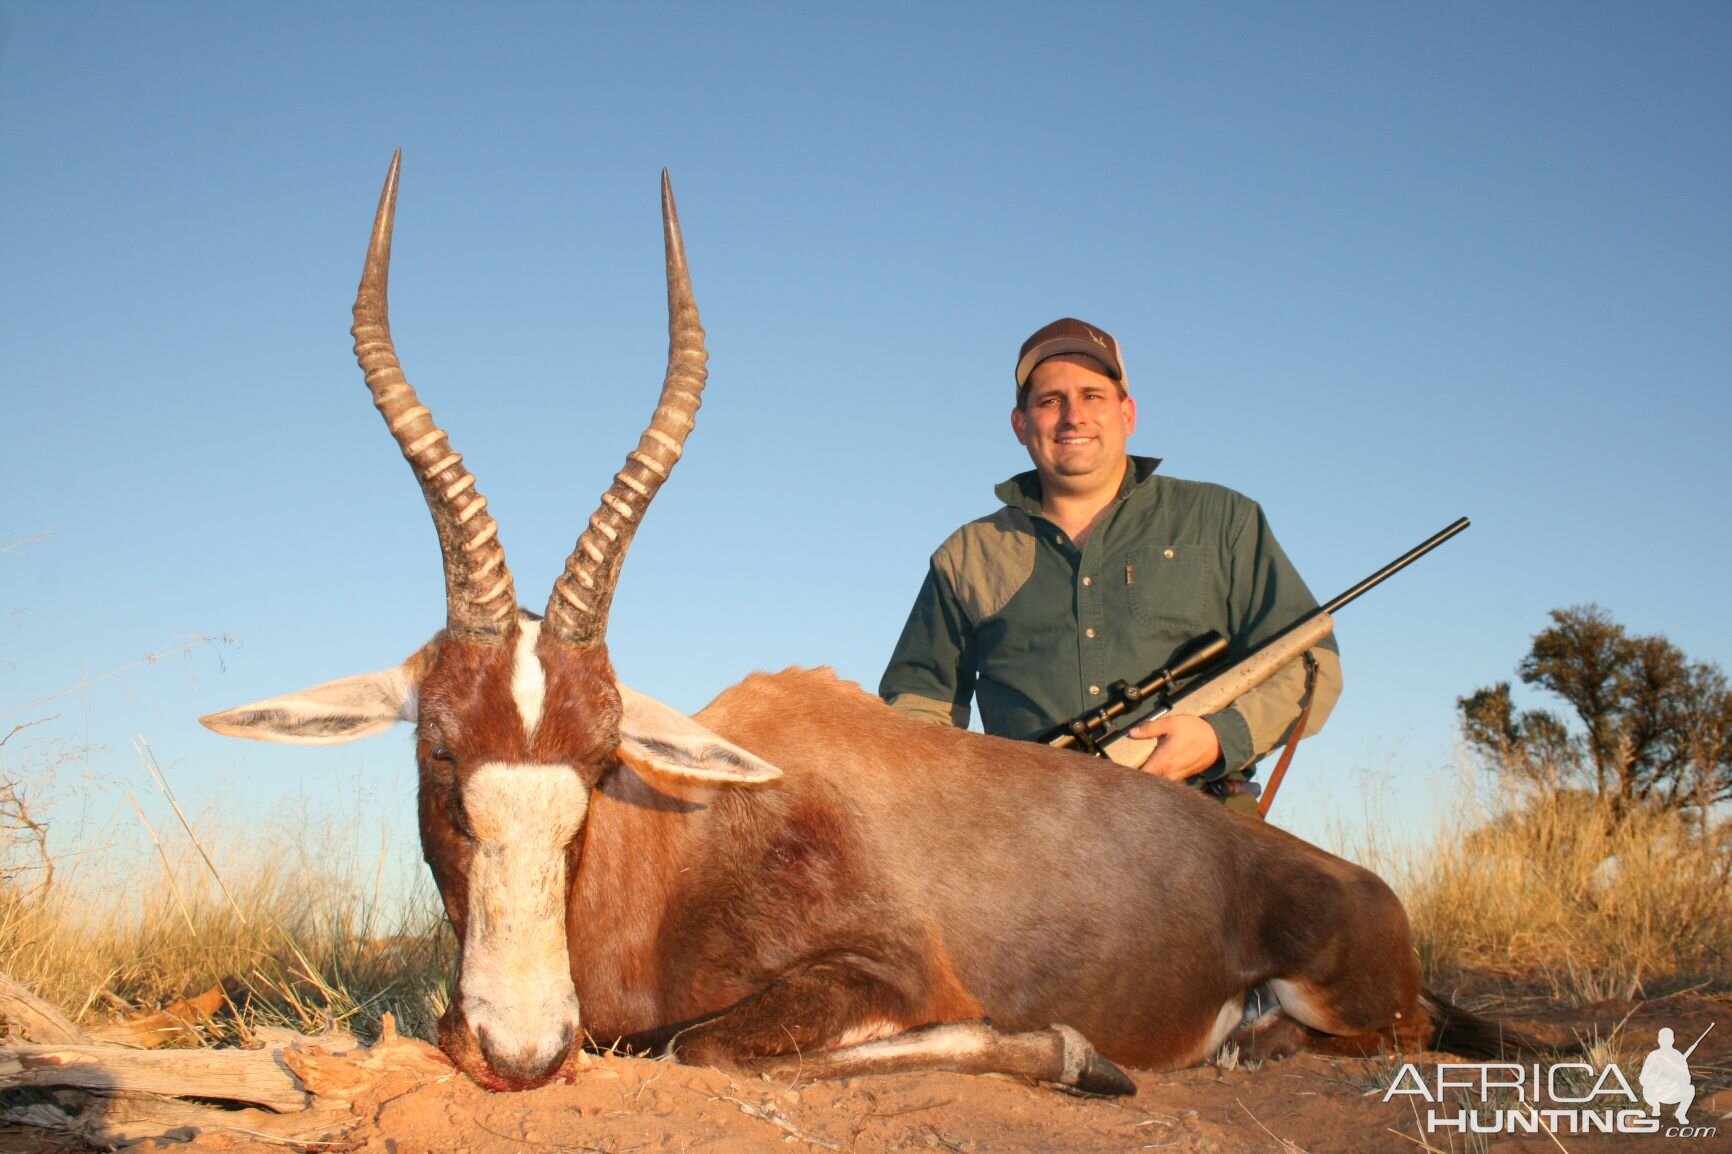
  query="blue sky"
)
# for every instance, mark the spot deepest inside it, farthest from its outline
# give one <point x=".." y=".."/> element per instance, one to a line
<point x="1377" y="265"/>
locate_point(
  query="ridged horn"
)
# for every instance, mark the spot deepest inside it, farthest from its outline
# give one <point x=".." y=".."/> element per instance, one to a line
<point x="578" y="607"/>
<point x="480" y="601"/>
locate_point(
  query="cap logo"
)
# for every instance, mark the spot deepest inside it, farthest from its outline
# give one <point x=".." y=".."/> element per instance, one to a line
<point x="1064" y="337"/>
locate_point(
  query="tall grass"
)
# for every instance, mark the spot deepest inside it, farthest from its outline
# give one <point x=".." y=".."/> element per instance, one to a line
<point x="297" y="933"/>
<point x="1560" y="891"/>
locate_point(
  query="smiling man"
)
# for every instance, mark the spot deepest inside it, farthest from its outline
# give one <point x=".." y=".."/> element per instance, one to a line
<point x="1096" y="569"/>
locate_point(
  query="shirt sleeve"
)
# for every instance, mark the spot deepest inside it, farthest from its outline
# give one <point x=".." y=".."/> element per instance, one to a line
<point x="1266" y="595"/>
<point x="931" y="671"/>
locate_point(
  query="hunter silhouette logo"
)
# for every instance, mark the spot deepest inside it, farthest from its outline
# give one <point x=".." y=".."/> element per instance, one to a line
<point x="1572" y="1097"/>
<point x="1666" y="1076"/>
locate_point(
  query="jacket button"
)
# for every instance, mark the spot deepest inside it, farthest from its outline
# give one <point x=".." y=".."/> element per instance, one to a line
<point x="1094" y="691"/>
<point x="1088" y="632"/>
<point x="1167" y="553"/>
<point x="1088" y="580"/>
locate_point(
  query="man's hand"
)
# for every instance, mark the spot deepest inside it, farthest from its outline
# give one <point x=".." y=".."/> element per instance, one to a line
<point x="1188" y="746"/>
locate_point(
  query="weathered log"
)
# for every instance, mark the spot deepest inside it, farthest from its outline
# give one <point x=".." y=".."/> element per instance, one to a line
<point x="334" y="1037"/>
<point x="257" y="1077"/>
<point x="36" y="1019"/>
<point x="109" y="1096"/>
<point x="392" y="1065"/>
<point x="106" y="1121"/>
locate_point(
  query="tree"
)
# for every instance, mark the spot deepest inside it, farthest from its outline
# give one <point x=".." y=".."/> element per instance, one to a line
<point x="1653" y="726"/>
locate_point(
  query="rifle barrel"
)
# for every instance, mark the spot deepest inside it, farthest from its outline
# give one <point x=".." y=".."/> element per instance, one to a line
<point x="1093" y="728"/>
<point x="1397" y="565"/>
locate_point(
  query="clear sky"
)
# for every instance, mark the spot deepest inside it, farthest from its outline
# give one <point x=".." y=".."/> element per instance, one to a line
<point x="1377" y="265"/>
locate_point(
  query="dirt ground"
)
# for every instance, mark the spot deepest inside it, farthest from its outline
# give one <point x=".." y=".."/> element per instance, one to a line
<point x="1310" y="1103"/>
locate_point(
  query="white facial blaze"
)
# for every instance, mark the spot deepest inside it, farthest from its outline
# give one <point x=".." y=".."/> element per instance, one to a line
<point x="528" y="679"/>
<point x="516" y="986"/>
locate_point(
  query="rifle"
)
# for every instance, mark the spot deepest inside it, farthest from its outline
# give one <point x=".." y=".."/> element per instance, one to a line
<point x="1095" y="730"/>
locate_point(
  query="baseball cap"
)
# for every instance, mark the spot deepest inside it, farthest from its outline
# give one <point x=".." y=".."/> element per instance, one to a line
<point x="1069" y="335"/>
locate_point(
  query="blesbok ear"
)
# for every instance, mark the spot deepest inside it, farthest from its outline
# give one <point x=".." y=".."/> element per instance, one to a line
<point x="327" y="714"/>
<point x="656" y="738"/>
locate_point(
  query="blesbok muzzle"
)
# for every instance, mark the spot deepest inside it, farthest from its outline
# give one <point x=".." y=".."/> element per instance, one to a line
<point x="515" y="992"/>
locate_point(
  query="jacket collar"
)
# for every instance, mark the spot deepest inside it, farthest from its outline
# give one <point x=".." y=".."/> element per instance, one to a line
<point x="1023" y="490"/>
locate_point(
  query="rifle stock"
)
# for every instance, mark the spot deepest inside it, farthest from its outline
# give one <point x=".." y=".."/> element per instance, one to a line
<point x="1216" y="693"/>
<point x="1235" y="681"/>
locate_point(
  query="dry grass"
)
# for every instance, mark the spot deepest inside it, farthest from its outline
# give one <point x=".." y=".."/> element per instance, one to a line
<point x="298" y="935"/>
<point x="1555" y="890"/>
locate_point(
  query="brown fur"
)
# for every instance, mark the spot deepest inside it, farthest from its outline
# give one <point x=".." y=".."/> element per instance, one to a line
<point x="908" y="874"/>
<point x="461" y="725"/>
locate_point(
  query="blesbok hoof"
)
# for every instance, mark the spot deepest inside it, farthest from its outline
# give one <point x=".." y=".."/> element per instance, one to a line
<point x="1102" y="1077"/>
<point x="1086" y="1072"/>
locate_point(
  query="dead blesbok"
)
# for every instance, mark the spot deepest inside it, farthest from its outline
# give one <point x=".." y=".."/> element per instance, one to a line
<point x="798" y="877"/>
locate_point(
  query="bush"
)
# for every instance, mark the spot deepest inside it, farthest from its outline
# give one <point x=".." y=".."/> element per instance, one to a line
<point x="1555" y="888"/>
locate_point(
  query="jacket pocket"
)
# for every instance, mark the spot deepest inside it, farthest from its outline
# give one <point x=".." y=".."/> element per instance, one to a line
<point x="1172" y="584"/>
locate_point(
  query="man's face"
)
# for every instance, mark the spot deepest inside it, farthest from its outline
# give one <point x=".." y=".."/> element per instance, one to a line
<point x="1074" y="423"/>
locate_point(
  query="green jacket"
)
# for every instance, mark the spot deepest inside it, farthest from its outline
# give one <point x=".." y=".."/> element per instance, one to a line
<point x="1013" y="615"/>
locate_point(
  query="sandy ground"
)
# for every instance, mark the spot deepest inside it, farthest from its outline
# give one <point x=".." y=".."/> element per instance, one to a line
<point x="1309" y="1103"/>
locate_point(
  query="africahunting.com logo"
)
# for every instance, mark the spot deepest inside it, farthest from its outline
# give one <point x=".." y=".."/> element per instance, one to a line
<point x="1560" y="1098"/>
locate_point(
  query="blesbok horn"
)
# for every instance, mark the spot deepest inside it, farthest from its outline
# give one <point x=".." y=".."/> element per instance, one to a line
<point x="578" y="607"/>
<point x="480" y="601"/>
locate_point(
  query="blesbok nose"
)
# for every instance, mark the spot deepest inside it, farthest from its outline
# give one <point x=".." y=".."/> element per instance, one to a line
<point x="527" y="1065"/>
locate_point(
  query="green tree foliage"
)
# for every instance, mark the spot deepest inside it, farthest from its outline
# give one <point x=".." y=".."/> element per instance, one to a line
<point x="1651" y="726"/>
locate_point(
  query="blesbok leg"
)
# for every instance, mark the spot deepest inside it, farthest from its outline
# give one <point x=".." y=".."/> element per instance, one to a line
<point x="834" y="1020"/>
<point x="1362" y="975"/>
<point x="1057" y="1054"/>
<point x="1345" y="973"/>
<point x="1265" y="1032"/>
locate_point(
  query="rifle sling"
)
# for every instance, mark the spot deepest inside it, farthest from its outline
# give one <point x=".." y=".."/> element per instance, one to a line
<point x="1268" y="798"/>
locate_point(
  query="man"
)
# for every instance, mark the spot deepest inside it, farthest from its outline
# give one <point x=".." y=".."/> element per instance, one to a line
<point x="1096" y="570"/>
<point x="1665" y="1077"/>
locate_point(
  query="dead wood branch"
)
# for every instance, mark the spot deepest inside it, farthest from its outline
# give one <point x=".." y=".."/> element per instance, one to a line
<point x="105" y="1122"/>
<point x="391" y="1066"/>
<point x="257" y="1077"/>
<point x="23" y="725"/>
<point x="17" y="825"/>
<point x="111" y="1096"/>
<point x="36" y="1019"/>
<point x="334" y="1038"/>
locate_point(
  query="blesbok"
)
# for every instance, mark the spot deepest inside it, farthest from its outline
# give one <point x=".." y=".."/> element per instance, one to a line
<point x="799" y="877"/>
